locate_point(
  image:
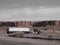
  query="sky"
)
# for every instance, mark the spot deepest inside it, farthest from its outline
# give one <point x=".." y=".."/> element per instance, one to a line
<point x="29" y="10"/>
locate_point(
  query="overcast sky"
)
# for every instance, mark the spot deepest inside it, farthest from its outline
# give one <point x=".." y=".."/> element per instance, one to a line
<point x="29" y="10"/>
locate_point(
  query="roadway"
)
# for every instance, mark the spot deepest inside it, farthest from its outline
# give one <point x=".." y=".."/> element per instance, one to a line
<point x="5" y="40"/>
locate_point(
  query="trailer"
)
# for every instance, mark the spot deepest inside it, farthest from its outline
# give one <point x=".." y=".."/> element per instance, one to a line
<point x="16" y="31"/>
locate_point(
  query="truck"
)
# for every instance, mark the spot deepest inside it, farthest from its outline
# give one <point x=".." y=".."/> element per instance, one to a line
<point x="22" y="32"/>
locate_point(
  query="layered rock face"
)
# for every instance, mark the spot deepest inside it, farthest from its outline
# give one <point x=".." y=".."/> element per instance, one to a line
<point x="31" y="24"/>
<point x="39" y="24"/>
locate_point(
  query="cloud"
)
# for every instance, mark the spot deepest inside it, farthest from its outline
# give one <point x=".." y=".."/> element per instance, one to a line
<point x="30" y="14"/>
<point x="41" y="7"/>
<point x="12" y="5"/>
